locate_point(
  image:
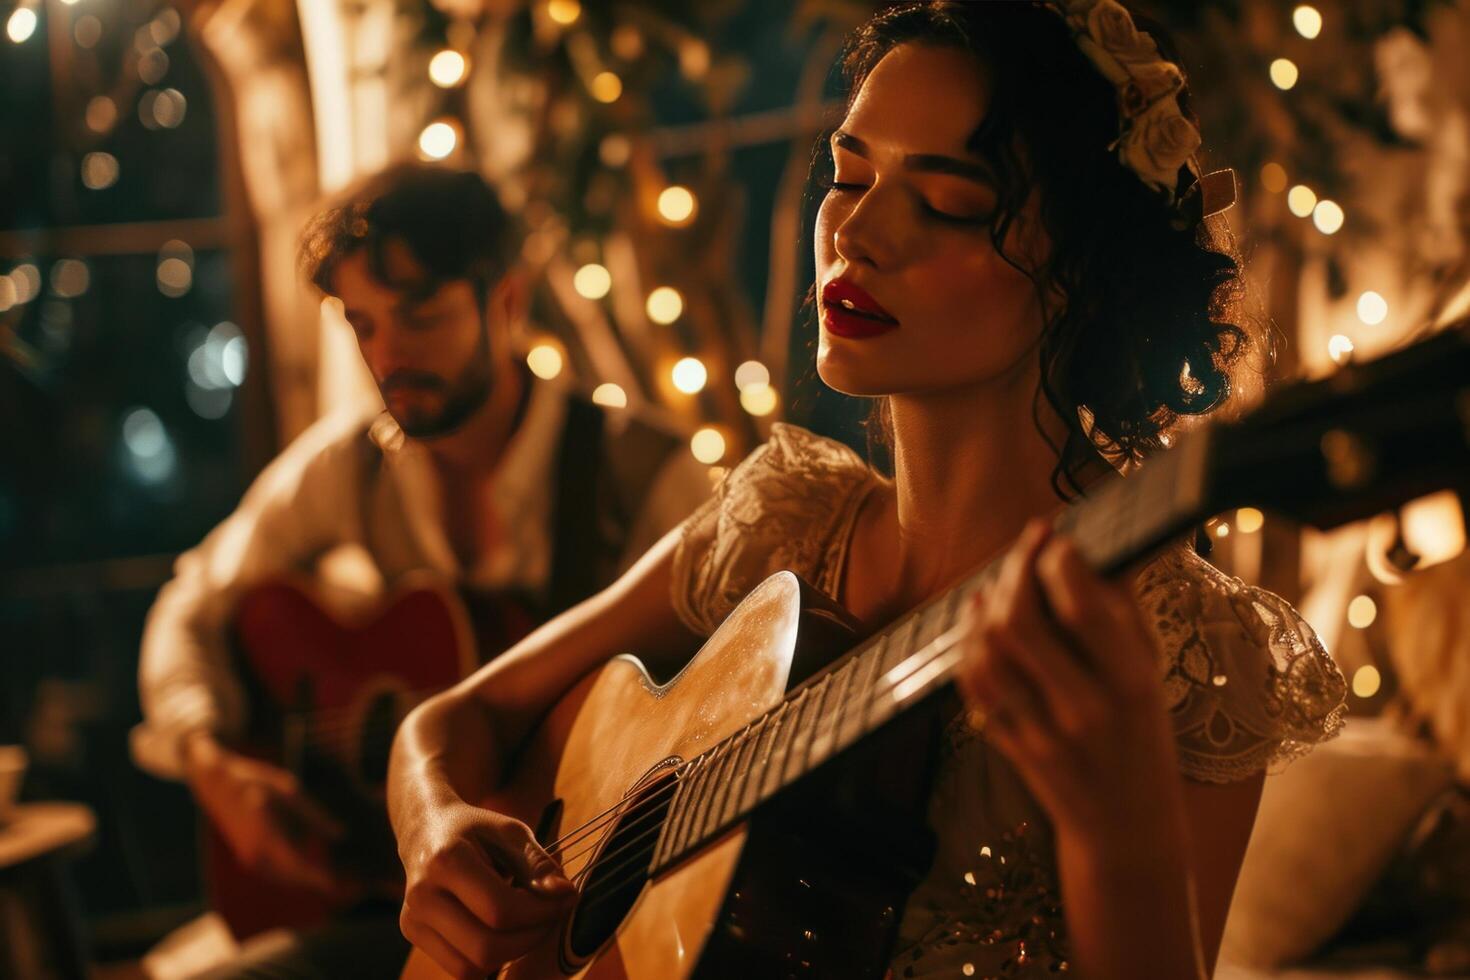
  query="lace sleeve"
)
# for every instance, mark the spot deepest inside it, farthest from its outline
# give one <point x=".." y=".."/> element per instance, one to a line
<point x="789" y="504"/>
<point x="1248" y="684"/>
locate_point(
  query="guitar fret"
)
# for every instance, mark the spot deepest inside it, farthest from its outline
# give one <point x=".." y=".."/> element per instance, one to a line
<point x="741" y="773"/>
<point x="694" y="782"/>
<point x="769" y="744"/>
<point x="728" y="771"/>
<point x="806" y="729"/>
<point x="824" y="741"/>
<point x="668" y="836"/>
<point x="754" y="768"/>
<point x="781" y="749"/>
<point x="872" y="670"/>
<point x="713" y="778"/>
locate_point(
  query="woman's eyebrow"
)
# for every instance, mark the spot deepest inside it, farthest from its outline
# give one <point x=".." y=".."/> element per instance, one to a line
<point x="936" y="163"/>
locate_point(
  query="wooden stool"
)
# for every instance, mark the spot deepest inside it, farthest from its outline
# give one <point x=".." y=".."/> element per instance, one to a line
<point x="40" y="918"/>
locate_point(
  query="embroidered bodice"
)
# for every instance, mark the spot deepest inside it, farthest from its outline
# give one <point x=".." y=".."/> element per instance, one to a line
<point x="1247" y="683"/>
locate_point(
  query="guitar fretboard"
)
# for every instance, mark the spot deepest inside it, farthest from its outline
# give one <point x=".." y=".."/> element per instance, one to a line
<point x="1118" y="521"/>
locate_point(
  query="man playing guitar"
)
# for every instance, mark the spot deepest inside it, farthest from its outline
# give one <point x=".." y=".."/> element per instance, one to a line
<point x="507" y="486"/>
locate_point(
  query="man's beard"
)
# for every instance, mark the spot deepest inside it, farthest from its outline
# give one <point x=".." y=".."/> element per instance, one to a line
<point x="465" y="396"/>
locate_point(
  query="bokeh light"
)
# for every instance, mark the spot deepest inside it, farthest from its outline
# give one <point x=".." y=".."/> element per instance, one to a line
<point x="751" y="373"/>
<point x="610" y="395"/>
<point x="708" y="445"/>
<point x="564" y="12"/>
<point x="592" y="281"/>
<point x="1300" y="200"/>
<point x="438" y="140"/>
<point x="545" y="361"/>
<point x="1273" y="177"/>
<point x="101" y="114"/>
<point x="606" y="87"/>
<point x="21" y="25"/>
<point x="676" y="205"/>
<point x="1284" y="73"/>
<point x="1307" y="20"/>
<point x="758" y="400"/>
<point x="689" y="376"/>
<point x="665" y="305"/>
<point x="99" y="170"/>
<point x="1361" y="612"/>
<point x="1366" y="681"/>
<point x="70" y="278"/>
<point x="1249" y="520"/>
<point x="1339" y="347"/>
<point x="448" y="68"/>
<point x="1328" y="217"/>
<point x="1372" y="308"/>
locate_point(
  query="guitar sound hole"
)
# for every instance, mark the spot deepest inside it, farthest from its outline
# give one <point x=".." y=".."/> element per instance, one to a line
<point x="620" y="869"/>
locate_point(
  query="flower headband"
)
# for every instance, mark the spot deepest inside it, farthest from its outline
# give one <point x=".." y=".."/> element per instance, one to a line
<point x="1155" y="138"/>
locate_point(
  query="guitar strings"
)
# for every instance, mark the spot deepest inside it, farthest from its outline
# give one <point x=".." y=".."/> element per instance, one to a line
<point x="919" y="664"/>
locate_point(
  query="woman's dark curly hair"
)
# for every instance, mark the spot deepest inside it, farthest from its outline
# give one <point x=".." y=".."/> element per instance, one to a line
<point x="1153" y="321"/>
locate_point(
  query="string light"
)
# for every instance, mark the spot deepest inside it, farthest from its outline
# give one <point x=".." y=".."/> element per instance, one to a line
<point x="21" y="25"/>
<point x="1273" y="177"/>
<point x="676" y="205"/>
<point x="88" y="31"/>
<point x="1361" y="612"/>
<point x="545" y="361"/>
<point x="689" y="376"/>
<point x="665" y="305"/>
<point x="610" y="395"/>
<point x="758" y="400"/>
<point x="564" y="12"/>
<point x="1366" y="681"/>
<point x="101" y="114"/>
<point x="1300" y="200"/>
<point x="438" y="140"/>
<point x="1328" y="217"/>
<point x="27" y="280"/>
<point x="614" y="150"/>
<point x="174" y="277"/>
<point x="751" y="373"/>
<point x="1222" y="530"/>
<point x="1339" y="347"/>
<point x="7" y="293"/>
<point x="606" y="87"/>
<point x="592" y="281"/>
<point x="1284" y="73"/>
<point x="708" y="445"/>
<point x="70" y="278"/>
<point x="1307" y="20"/>
<point x="1248" y="520"/>
<point x="1372" y="308"/>
<point x="448" y="68"/>
<point x="99" y="170"/>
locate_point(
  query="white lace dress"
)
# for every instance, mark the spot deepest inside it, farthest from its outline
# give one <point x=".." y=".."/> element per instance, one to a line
<point x="1248" y="684"/>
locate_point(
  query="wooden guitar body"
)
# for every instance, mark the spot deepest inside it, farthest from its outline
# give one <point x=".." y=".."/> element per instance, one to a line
<point x="327" y="695"/>
<point x="811" y="886"/>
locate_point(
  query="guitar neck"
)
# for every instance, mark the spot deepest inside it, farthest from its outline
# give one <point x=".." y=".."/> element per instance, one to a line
<point x="1119" y="522"/>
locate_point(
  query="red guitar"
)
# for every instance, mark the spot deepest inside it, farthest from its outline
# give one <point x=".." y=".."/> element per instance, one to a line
<point x="327" y="696"/>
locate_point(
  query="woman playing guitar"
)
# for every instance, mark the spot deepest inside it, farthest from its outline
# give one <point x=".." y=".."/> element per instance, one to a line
<point x="1015" y="257"/>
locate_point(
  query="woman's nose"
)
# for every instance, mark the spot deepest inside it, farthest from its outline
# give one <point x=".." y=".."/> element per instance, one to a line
<point x="871" y="233"/>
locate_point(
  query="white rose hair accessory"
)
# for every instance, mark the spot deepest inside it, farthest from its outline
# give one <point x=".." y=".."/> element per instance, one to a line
<point x="1155" y="138"/>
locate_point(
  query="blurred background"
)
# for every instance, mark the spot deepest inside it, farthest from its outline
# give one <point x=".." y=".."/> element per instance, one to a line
<point x="158" y="159"/>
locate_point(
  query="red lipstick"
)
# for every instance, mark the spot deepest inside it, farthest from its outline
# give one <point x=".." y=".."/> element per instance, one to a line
<point x="849" y="311"/>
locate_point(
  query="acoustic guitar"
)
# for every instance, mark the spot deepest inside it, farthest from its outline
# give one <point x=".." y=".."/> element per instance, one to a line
<point x="327" y="694"/>
<point x="762" y="814"/>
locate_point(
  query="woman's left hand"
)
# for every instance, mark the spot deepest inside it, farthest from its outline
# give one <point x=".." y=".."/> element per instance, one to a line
<point x="1065" y="675"/>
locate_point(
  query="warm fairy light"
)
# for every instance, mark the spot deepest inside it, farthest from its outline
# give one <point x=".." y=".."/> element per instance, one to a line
<point x="606" y="87"/>
<point x="1222" y="530"/>
<point x="1273" y="177"/>
<point x="968" y="969"/>
<point x="8" y="296"/>
<point x="1307" y="20"/>
<point x="99" y="170"/>
<point x="21" y="25"/>
<point x="1434" y="527"/>
<point x="1372" y="308"/>
<point x="564" y="12"/>
<point x="1300" y="200"/>
<point x="545" y="361"/>
<point x="26" y="281"/>
<point x="676" y="205"/>
<point x="694" y="59"/>
<point x="665" y="305"/>
<point x="708" y="446"/>
<point x="689" y="376"/>
<point x="175" y="276"/>
<point x="88" y="31"/>
<point x="592" y="281"/>
<point x="751" y="373"/>
<point x="438" y="140"/>
<point x="448" y="68"/>
<point x="70" y="278"/>
<point x="1248" y="520"/>
<point x="101" y="114"/>
<point x="1366" y="681"/>
<point x="1284" y="73"/>
<point x="1328" y="217"/>
<point x="610" y="395"/>
<point x="758" y="400"/>
<point x="614" y="150"/>
<point x="1339" y="347"/>
<point x="1361" y="612"/>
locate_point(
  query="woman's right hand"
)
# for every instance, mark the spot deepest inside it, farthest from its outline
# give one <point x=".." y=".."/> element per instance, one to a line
<point x="481" y="891"/>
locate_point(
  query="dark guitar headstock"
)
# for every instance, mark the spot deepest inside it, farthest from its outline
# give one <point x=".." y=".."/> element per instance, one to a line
<point x="1365" y="440"/>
